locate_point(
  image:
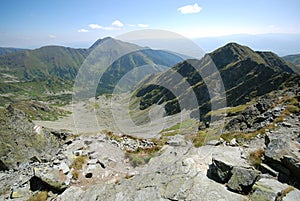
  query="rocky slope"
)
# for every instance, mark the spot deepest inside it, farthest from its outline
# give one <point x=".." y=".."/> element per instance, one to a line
<point x="22" y="141"/>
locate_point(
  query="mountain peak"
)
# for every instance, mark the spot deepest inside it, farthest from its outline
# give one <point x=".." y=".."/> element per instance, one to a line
<point x="100" y="41"/>
<point x="233" y="52"/>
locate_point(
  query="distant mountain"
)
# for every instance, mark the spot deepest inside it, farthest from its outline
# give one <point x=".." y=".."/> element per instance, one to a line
<point x="40" y="72"/>
<point x="53" y="69"/>
<point x="295" y="58"/>
<point x="154" y="58"/>
<point x="245" y="73"/>
<point x="8" y="50"/>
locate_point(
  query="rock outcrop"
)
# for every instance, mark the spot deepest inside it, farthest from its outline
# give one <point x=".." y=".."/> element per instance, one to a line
<point x="20" y="142"/>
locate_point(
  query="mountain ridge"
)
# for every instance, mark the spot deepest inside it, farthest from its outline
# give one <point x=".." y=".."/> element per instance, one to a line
<point x="245" y="73"/>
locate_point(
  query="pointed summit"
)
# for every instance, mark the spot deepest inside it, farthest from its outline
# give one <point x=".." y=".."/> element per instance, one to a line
<point x="100" y="41"/>
<point x="233" y="52"/>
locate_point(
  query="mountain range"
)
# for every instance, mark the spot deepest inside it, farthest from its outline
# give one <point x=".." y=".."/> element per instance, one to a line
<point x="53" y="69"/>
<point x="51" y="72"/>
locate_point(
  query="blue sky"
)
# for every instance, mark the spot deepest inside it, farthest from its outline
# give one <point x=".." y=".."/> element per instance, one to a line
<point x="34" y="23"/>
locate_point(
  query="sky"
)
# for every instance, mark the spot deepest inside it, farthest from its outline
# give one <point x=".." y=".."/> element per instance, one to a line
<point x="78" y="23"/>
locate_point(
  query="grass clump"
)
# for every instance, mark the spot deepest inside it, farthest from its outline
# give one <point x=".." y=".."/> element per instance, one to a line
<point x="249" y="135"/>
<point x="198" y="139"/>
<point x="287" y="191"/>
<point x="78" y="162"/>
<point x="77" y="166"/>
<point x="229" y="110"/>
<point x="292" y="109"/>
<point x="255" y="157"/>
<point x="141" y="156"/>
<point x="40" y="196"/>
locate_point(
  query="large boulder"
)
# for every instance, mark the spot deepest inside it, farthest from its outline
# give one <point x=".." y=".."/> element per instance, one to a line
<point x="242" y="179"/>
<point x="223" y="161"/>
<point x="282" y="153"/>
<point x="228" y="167"/>
<point x="49" y="179"/>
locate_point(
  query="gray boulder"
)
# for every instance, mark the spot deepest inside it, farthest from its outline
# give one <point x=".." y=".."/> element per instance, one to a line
<point x="223" y="162"/>
<point x="229" y="167"/>
<point x="281" y="153"/>
<point x="242" y="179"/>
<point x="50" y="179"/>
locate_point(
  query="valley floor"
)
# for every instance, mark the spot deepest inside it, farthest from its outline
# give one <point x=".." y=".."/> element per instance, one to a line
<point x="112" y="113"/>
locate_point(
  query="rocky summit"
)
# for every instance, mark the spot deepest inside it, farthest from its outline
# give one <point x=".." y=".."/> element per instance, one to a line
<point x="254" y="156"/>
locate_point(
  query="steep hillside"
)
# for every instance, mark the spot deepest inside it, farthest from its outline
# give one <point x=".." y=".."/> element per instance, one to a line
<point x="245" y="73"/>
<point x="20" y="142"/>
<point x="156" y="59"/>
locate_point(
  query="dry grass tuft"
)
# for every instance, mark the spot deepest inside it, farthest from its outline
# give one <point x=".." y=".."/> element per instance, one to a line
<point x="255" y="157"/>
<point x="40" y="196"/>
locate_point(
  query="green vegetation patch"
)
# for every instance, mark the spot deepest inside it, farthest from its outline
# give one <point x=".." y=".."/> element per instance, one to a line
<point x="141" y="156"/>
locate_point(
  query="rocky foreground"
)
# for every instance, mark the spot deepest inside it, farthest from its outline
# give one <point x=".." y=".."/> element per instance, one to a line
<point x="256" y="158"/>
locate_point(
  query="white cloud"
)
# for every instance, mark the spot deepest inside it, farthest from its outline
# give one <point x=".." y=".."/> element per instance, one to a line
<point x="83" y="30"/>
<point x="95" y="26"/>
<point x="188" y="9"/>
<point x="110" y="28"/>
<point x="117" y="23"/>
<point x="143" y="25"/>
<point x="52" y="36"/>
